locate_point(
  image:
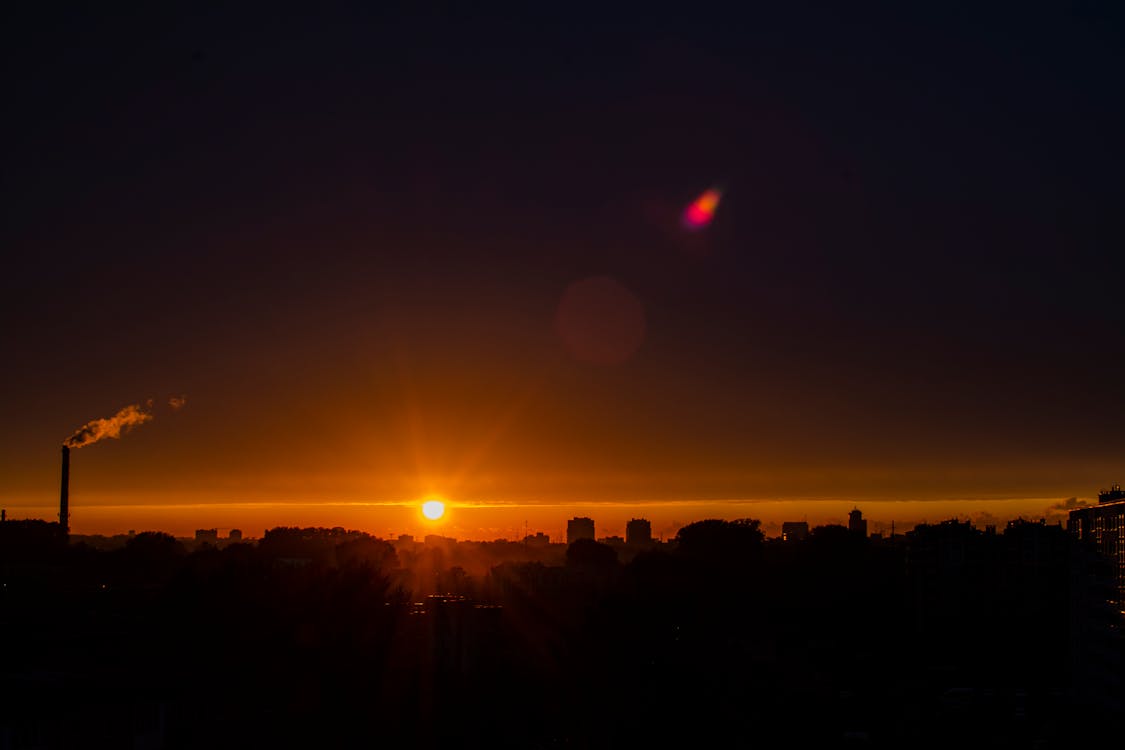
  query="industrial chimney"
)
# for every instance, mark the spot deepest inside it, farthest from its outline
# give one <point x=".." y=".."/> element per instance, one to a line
<point x="64" y="503"/>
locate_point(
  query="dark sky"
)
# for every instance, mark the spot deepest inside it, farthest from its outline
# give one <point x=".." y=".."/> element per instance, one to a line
<point x="344" y="235"/>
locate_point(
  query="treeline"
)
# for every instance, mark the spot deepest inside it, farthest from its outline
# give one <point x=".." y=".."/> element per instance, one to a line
<point x="320" y="637"/>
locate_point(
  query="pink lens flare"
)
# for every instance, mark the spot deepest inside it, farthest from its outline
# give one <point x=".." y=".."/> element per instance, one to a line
<point x="702" y="210"/>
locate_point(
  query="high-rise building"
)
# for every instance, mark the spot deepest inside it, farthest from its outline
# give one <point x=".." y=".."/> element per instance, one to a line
<point x="207" y="536"/>
<point x="1103" y="526"/>
<point x="638" y="532"/>
<point x="1099" y="599"/>
<point x="579" y="528"/>
<point x="856" y="522"/>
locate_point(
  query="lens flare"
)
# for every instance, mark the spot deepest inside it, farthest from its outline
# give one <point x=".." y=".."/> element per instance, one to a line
<point x="600" y="321"/>
<point x="701" y="211"/>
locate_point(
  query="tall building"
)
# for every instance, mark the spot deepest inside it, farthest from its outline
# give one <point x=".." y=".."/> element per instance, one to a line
<point x="579" y="528"/>
<point x="638" y="532"/>
<point x="1098" y="596"/>
<point x="207" y="536"/>
<point x="1103" y="527"/>
<point x="857" y="524"/>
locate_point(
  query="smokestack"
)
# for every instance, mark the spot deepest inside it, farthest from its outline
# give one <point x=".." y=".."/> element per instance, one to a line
<point x="64" y="500"/>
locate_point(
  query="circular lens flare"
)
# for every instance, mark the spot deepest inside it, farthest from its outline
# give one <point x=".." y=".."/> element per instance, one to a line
<point x="600" y="321"/>
<point x="433" y="509"/>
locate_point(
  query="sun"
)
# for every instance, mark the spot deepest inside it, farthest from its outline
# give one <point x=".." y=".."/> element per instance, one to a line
<point x="433" y="509"/>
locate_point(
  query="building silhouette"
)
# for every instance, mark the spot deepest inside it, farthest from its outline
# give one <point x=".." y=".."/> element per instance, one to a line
<point x="794" y="531"/>
<point x="1098" y="599"/>
<point x="638" y="532"/>
<point x="207" y="536"/>
<point x="1103" y="527"/>
<point x="857" y="524"/>
<point x="579" y="528"/>
<point x="538" y="540"/>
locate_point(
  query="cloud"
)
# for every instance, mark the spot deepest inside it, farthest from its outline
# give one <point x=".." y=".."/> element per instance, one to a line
<point x="1060" y="511"/>
<point x="1071" y="503"/>
<point x="984" y="518"/>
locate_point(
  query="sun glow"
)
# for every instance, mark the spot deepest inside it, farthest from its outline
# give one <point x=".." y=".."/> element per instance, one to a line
<point x="433" y="509"/>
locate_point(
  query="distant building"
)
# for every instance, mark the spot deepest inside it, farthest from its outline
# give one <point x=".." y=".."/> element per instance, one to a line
<point x="1103" y="526"/>
<point x="442" y="542"/>
<point x="539" y="539"/>
<point x="794" y="531"/>
<point x="638" y="532"/>
<point x="206" y="536"/>
<point x="856" y="522"/>
<point x="579" y="528"/>
<point x="235" y="535"/>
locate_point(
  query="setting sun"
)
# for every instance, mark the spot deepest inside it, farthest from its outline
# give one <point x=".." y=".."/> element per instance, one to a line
<point x="433" y="509"/>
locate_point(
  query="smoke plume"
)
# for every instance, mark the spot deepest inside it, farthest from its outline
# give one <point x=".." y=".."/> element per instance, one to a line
<point x="176" y="402"/>
<point x="110" y="427"/>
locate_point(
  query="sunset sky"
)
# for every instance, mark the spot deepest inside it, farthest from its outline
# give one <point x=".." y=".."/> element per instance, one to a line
<point x="386" y="254"/>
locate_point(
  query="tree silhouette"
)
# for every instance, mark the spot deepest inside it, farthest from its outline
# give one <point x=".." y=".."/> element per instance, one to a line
<point x="591" y="555"/>
<point x="367" y="551"/>
<point x="718" y="542"/>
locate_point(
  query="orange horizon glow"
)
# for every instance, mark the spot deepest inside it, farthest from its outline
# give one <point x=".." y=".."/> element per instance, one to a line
<point x="511" y="457"/>
<point x="512" y="521"/>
